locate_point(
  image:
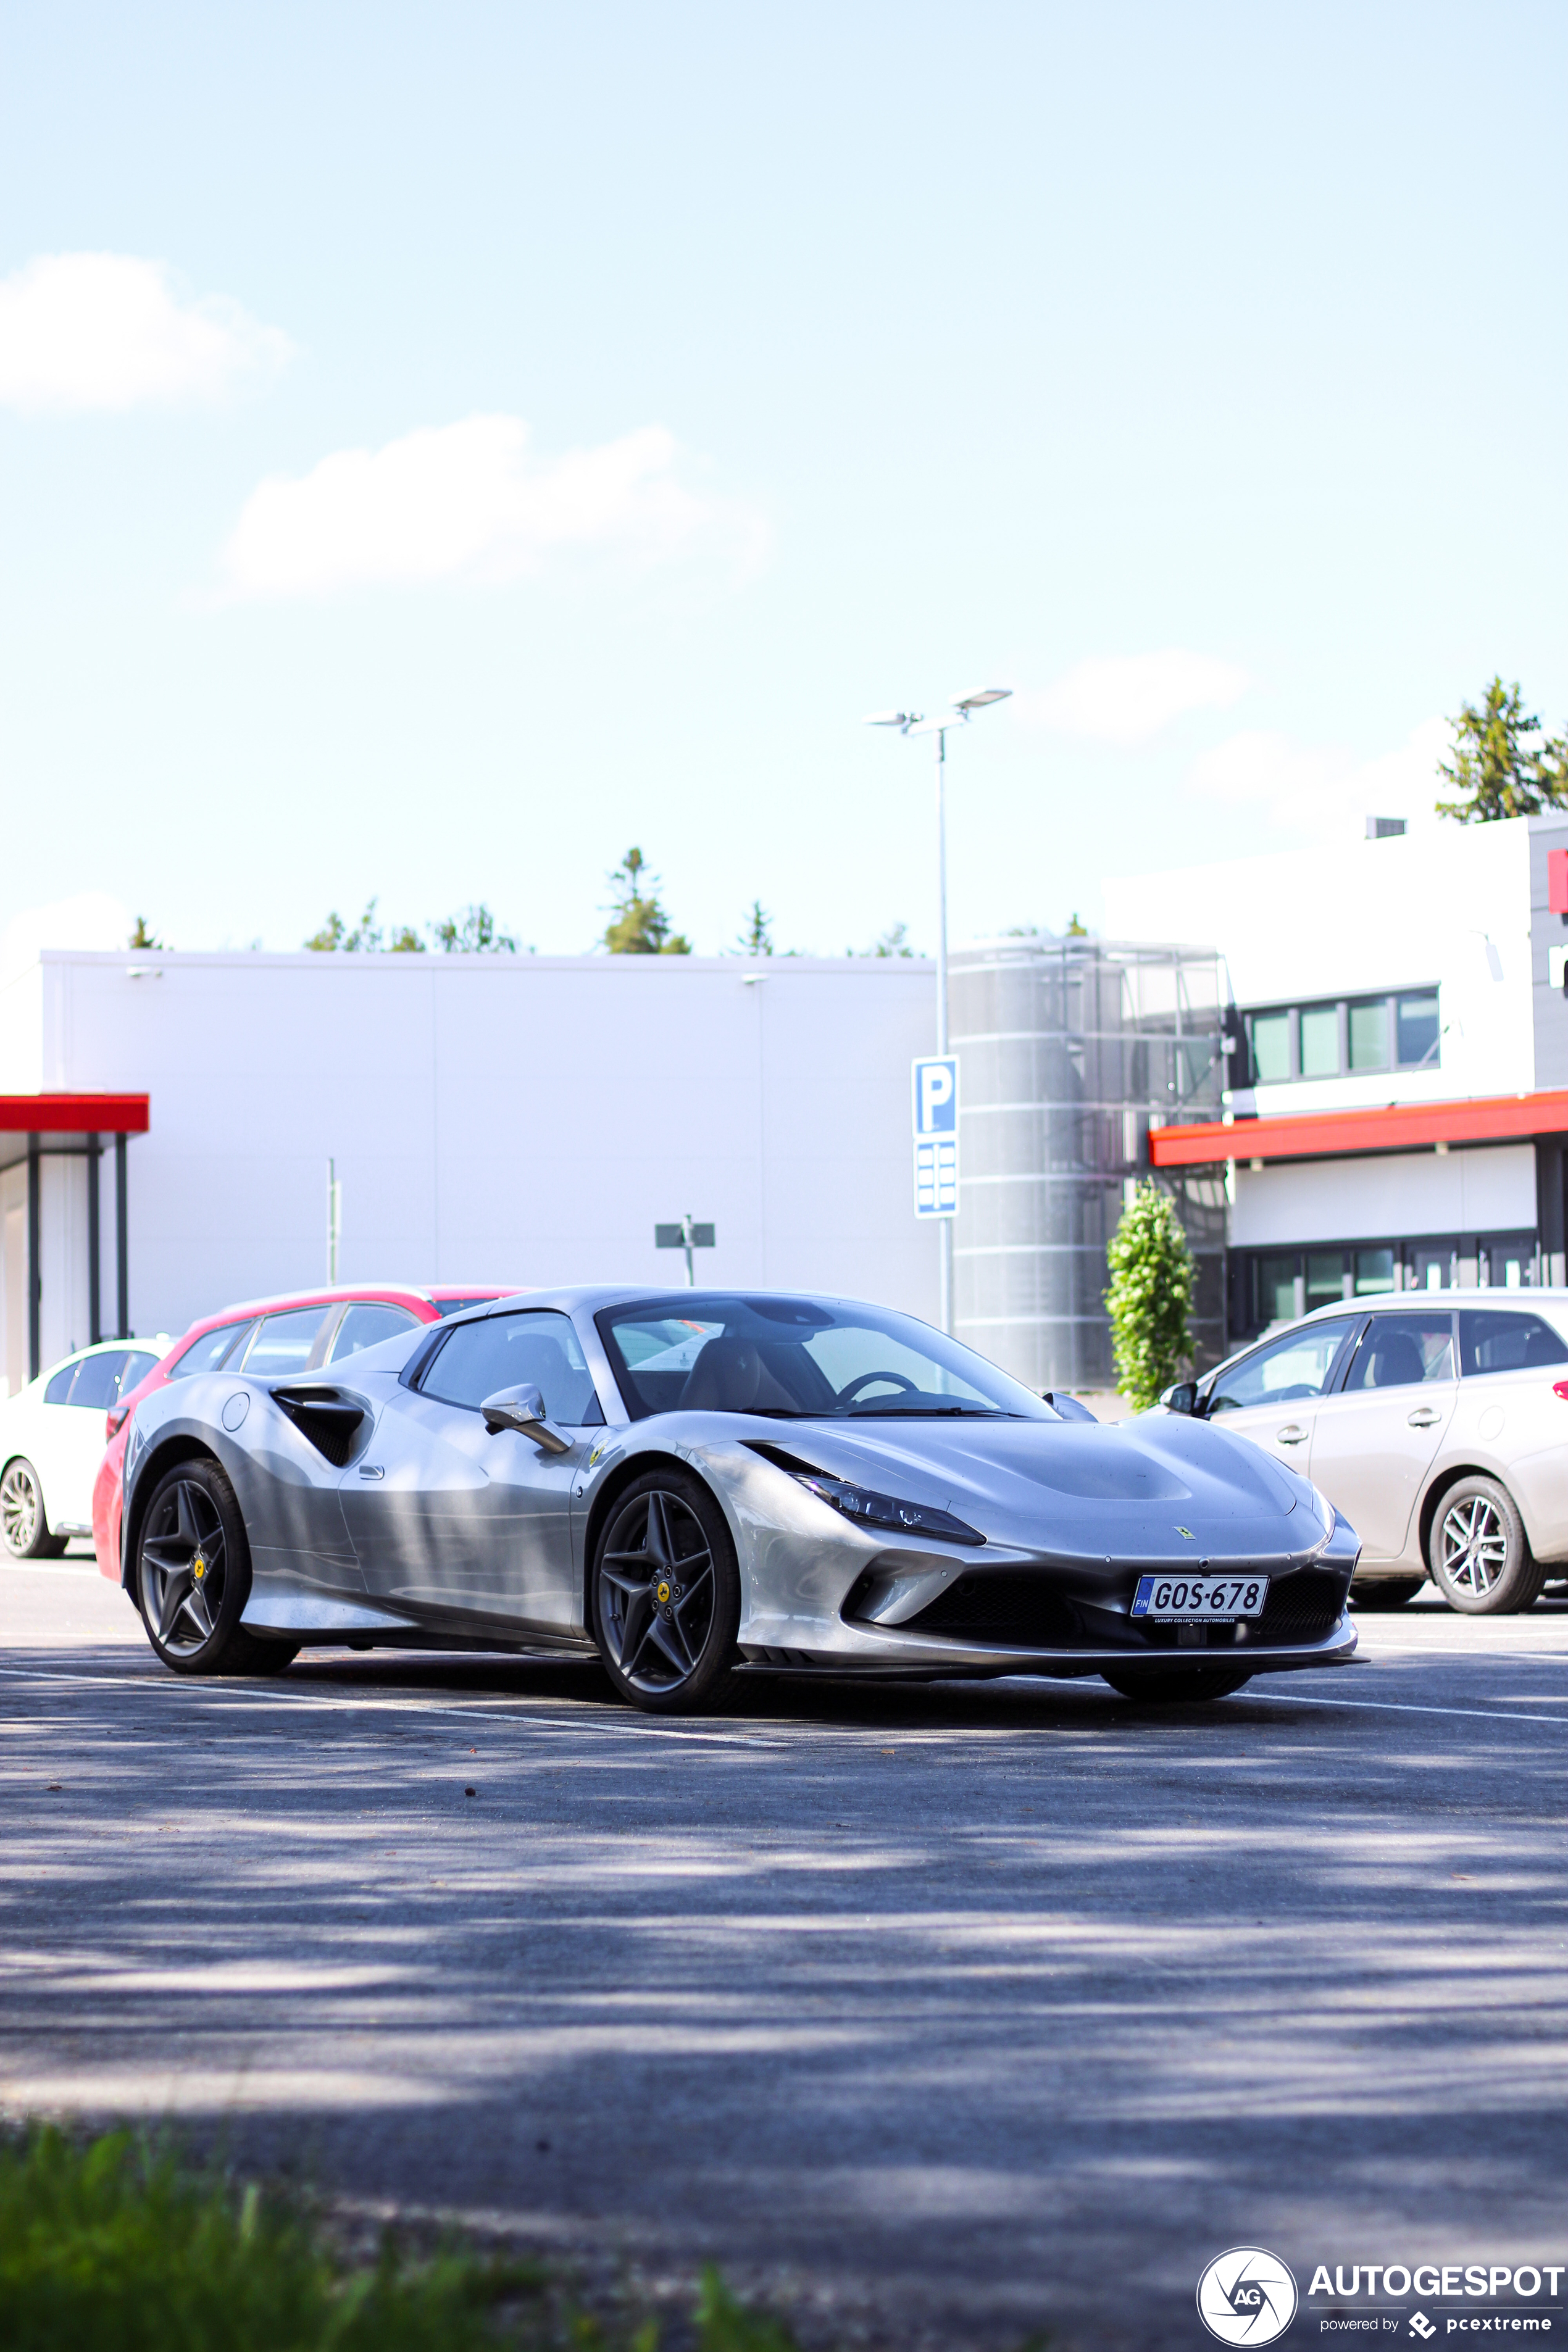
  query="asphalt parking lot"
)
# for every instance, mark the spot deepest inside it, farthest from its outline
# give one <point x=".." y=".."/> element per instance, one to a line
<point x="945" y="2014"/>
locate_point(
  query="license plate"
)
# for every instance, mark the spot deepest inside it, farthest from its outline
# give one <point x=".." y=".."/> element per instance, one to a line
<point x="1172" y="1597"/>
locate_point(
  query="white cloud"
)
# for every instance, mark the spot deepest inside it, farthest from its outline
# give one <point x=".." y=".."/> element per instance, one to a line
<point x="468" y="502"/>
<point x="105" y="331"/>
<point x="1313" y="790"/>
<point x="1125" y="699"/>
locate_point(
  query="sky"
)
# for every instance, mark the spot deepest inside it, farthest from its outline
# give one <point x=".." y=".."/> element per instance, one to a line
<point x="442" y="446"/>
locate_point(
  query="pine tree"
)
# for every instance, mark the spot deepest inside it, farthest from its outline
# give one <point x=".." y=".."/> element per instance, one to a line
<point x="757" y="939"/>
<point x="1496" y="770"/>
<point x="1150" y="1297"/>
<point x="639" y="925"/>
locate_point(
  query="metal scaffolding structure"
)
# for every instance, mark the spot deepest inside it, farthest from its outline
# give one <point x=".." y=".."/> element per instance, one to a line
<point x="1069" y="1050"/>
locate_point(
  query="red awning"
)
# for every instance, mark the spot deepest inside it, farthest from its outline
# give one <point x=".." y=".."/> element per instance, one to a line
<point x="1394" y="1127"/>
<point x="73" y="1114"/>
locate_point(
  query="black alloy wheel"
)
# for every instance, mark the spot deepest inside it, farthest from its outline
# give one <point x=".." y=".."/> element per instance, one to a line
<point x="1170" y="1684"/>
<point x="667" y="1595"/>
<point x="193" y="1577"/>
<point x="1480" y="1556"/>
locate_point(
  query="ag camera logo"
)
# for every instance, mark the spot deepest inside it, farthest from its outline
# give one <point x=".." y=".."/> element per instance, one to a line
<point x="1246" y="2296"/>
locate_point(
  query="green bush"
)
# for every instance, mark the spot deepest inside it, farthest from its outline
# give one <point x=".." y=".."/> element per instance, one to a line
<point x="117" y="2247"/>
<point x="1150" y="1297"/>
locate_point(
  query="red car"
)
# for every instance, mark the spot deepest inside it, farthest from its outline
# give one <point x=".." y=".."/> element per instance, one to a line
<point x="294" y="1333"/>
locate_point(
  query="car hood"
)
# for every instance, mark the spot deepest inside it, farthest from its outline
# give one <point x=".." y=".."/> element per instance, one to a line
<point x="1156" y="1487"/>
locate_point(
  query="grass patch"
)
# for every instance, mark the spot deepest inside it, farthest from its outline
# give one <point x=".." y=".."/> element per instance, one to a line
<point x="117" y="2245"/>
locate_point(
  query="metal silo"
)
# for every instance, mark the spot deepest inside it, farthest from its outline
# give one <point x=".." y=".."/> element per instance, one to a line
<point x="1069" y="1049"/>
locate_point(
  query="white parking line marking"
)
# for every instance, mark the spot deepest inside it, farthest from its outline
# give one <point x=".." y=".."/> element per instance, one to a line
<point x="641" y="1728"/>
<point x="1410" y="1706"/>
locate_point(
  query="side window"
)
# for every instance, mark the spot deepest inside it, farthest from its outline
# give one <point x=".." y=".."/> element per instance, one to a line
<point x="366" y="1325"/>
<point x="138" y="1364"/>
<point x="1397" y="1352"/>
<point x="213" y="1348"/>
<point x="505" y="1350"/>
<point x="284" y="1342"/>
<point x="1493" y="1340"/>
<point x="60" y="1388"/>
<point x="1284" y="1372"/>
<point x="98" y="1381"/>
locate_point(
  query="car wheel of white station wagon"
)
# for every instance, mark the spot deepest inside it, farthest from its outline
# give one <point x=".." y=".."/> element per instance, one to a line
<point x="24" y="1523"/>
<point x="1479" y="1553"/>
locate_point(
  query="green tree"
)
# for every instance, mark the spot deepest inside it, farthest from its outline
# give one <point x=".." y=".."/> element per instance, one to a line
<point x="638" y="925"/>
<point x="472" y="930"/>
<point x="1503" y="763"/>
<point x="894" y="941"/>
<point x="367" y="937"/>
<point x="1150" y="1297"/>
<point x="757" y="939"/>
<point x="142" y="938"/>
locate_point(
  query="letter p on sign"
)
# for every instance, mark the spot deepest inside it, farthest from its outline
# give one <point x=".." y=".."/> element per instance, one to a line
<point x="936" y="1096"/>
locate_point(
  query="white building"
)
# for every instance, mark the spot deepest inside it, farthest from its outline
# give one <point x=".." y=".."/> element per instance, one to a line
<point x="522" y="1120"/>
<point x="1397" y="1108"/>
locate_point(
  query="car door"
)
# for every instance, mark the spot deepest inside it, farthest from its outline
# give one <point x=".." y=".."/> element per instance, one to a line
<point x="43" y="1432"/>
<point x="1513" y="1415"/>
<point x="1272" y="1395"/>
<point x="1376" y="1437"/>
<point x="450" y="1516"/>
<point x="73" y="1425"/>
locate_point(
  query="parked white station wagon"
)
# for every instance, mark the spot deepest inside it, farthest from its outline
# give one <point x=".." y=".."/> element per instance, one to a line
<point x="1437" y="1424"/>
<point x="52" y="1436"/>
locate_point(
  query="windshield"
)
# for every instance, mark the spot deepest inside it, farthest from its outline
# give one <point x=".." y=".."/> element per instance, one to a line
<point x="794" y="1359"/>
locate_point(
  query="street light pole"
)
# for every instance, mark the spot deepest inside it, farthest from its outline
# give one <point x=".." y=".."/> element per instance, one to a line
<point x="944" y="1236"/>
<point x="912" y="722"/>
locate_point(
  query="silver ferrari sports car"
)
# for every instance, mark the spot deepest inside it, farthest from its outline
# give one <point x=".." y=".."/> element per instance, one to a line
<point x="693" y="1485"/>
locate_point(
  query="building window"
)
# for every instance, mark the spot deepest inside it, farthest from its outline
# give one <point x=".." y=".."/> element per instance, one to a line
<point x="1325" y="1276"/>
<point x="1418" y="1032"/>
<point x="1320" y="1040"/>
<point x="1369" y="1034"/>
<point x="1272" y="1048"/>
<point x="1341" y="1038"/>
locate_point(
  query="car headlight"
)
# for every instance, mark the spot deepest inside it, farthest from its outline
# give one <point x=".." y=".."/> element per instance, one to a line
<point x="888" y="1512"/>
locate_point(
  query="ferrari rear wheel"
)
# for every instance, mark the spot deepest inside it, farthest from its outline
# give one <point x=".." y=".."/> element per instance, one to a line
<point x="24" y="1522"/>
<point x="667" y="1595"/>
<point x="193" y="1577"/>
<point x="1163" y="1683"/>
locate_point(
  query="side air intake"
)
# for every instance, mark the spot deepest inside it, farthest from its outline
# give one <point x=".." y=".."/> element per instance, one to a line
<point x="326" y="1416"/>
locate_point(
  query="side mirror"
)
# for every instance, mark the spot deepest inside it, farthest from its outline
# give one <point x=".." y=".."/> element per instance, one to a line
<point x="1183" y="1398"/>
<point x="522" y="1409"/>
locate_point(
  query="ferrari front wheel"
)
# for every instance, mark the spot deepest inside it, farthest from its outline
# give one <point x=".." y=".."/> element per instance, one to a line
<point x="1165" y="1684"/>
<point x="667" y="1595"/>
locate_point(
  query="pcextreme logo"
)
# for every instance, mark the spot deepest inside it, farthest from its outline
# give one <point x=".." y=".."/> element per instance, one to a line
<point x="1246" y="2296"/>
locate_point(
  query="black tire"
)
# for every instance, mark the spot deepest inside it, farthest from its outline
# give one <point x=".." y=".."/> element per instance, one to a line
<point x="666" y="1595"/>
<point x="24" y="1521"/>
<point x="1385" y="1591"/>
<point x="1164" y="1684"/>
<point x="1479" y="1553"/>
<point x="192" y="1576"/>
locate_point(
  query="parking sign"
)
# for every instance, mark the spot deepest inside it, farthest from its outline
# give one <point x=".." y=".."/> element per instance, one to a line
<point x="936" y="1135"/>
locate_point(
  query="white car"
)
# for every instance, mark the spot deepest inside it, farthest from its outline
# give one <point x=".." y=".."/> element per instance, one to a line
<point x="1436" y="1424"/>
<point x="52" y="1436"/>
